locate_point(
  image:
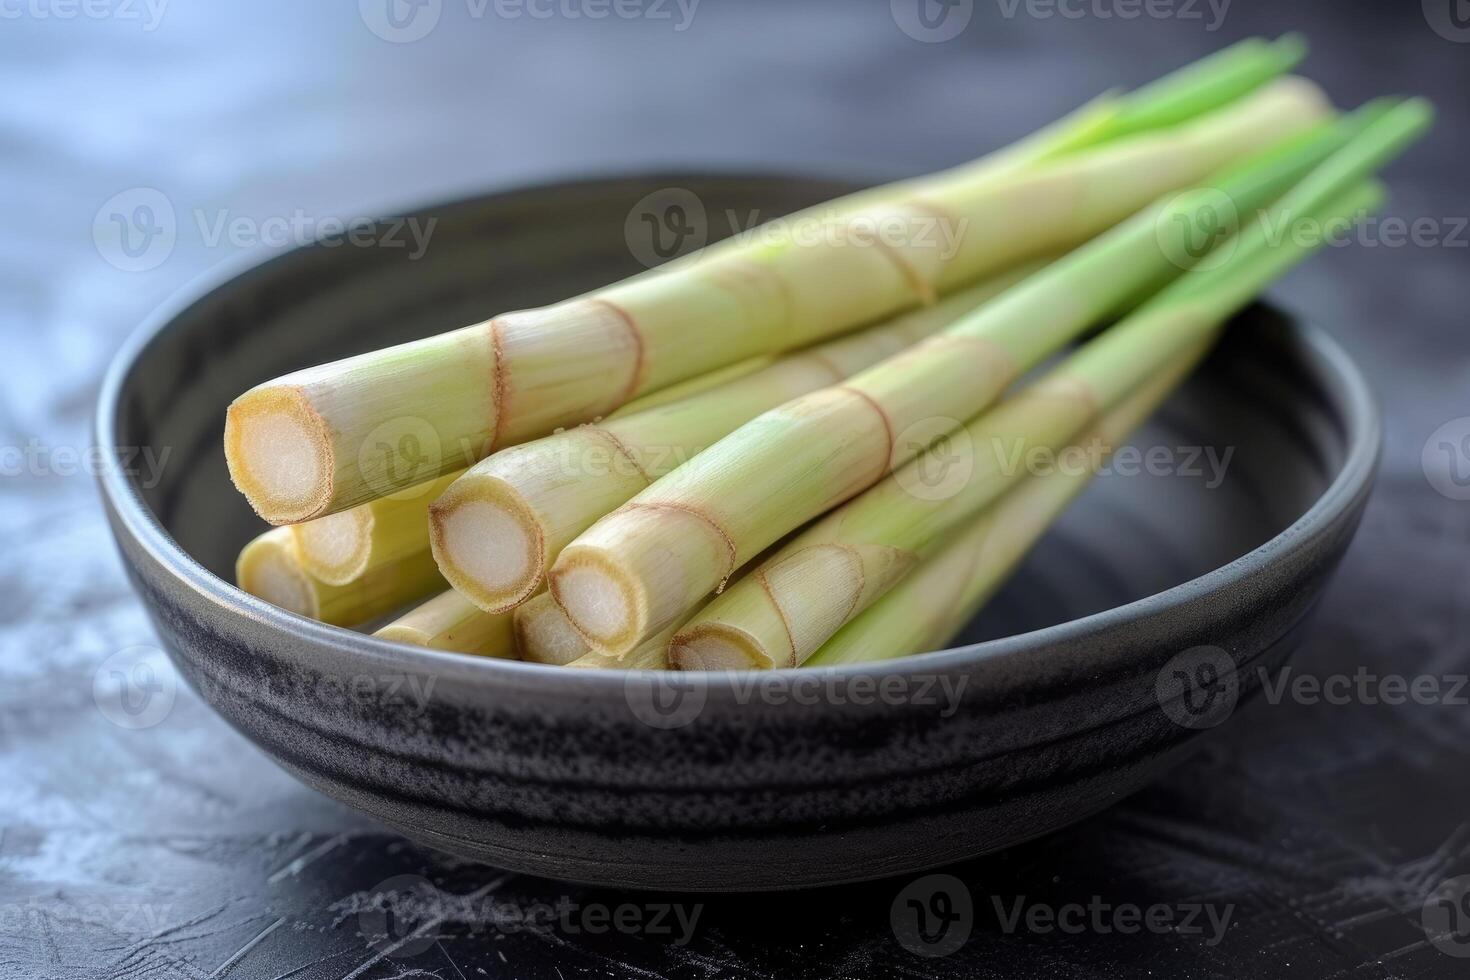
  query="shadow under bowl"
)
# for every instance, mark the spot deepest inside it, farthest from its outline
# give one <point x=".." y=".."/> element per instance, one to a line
<point x="1141" y="620"/>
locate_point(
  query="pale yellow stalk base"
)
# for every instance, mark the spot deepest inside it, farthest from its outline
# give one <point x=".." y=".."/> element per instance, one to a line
<point x="497" y="528"/>
<point x="280" y="453"/>
<point x="793" y="602"/>
<point x="451" y="622"/>
<point x="345" y="546"/>
<point x="652" y="654"/>
<point x="327" y="438"/>
<point x="544" y="635"/>
<point x="270" y="568"/>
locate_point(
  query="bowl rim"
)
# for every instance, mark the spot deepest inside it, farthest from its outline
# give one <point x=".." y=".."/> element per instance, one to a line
<point x="1347" y="389"/>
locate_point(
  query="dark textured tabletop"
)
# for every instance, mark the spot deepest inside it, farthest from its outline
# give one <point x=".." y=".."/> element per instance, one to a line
<point x="1316" y="837"/>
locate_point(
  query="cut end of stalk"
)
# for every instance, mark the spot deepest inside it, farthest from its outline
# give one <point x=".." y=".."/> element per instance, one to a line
<point x="715" y="646"/>
<point x="600" y="599"/>
<point x="414" y="636"/>
<point x="268" y="569"/>
<point x="336" y="548"/>
<point x="451" y="622"/>
<point x="488" y="542"/>
<point x="279" y="452"/>
<point x="545" y="636"/>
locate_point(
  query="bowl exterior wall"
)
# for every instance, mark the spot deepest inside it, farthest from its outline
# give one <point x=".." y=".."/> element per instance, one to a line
<point x="741" y="782"/>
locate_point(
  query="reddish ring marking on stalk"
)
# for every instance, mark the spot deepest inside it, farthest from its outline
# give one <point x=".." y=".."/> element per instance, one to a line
<point x="988" y="348"/>
<point x="923" y="291"/>
<point x="760" y="576"/>
<point x="701" y="515"/>
<point x="744" y="270"/>
<point x="622" y="448"/>
<point x="821" y="360"/>
<point x="640" y="360"/>
<point x="922" y="287"/>
<point x="888" y="433"/>
<point x="498" y="380"/>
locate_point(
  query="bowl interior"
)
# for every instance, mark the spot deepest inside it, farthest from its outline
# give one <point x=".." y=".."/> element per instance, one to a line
<point x="1239" y="453"/>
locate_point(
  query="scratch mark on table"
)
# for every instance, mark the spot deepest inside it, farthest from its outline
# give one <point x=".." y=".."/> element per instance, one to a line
<point x="296" y="864"/>
<point x="457" y="970"/>
<point x="240" y="953"/>
<point x="389" y="950"/>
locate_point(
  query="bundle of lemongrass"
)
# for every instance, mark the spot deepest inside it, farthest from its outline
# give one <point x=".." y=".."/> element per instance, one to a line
<point x="712" y="466"/>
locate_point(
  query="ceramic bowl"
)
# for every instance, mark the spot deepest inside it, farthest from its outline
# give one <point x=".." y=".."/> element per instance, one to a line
<point x="1143" y="620"/>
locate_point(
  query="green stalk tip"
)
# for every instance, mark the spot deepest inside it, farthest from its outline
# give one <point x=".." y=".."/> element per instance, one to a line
<point x="1290" y="49"/>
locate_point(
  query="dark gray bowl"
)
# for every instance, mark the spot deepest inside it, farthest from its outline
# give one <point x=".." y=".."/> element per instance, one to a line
<point x="1139" y="622"/>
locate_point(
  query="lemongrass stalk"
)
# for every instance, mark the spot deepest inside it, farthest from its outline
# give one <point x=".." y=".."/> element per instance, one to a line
<point x="645" y="565"/>
<point x="451" y="622"/>
<point x="345" y="546"/>
<point x="495" y="531"/>
<point x="341" y="547"/>
<point x="544" y="635"/>
<point x="269" y="567"/>
<point x="333" y="436"/>
<point x="652" y="654"/>
<point x="1262" y="251"/>
<point x="1089" y="125"/>
<point x="1206" y="84"/>
<point x="794" y="602"/>
<point x="1200" y="87"/>
<point x="928" y="607"/>
<point x="697" y="385"/>
<point x="945" y="591"/>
